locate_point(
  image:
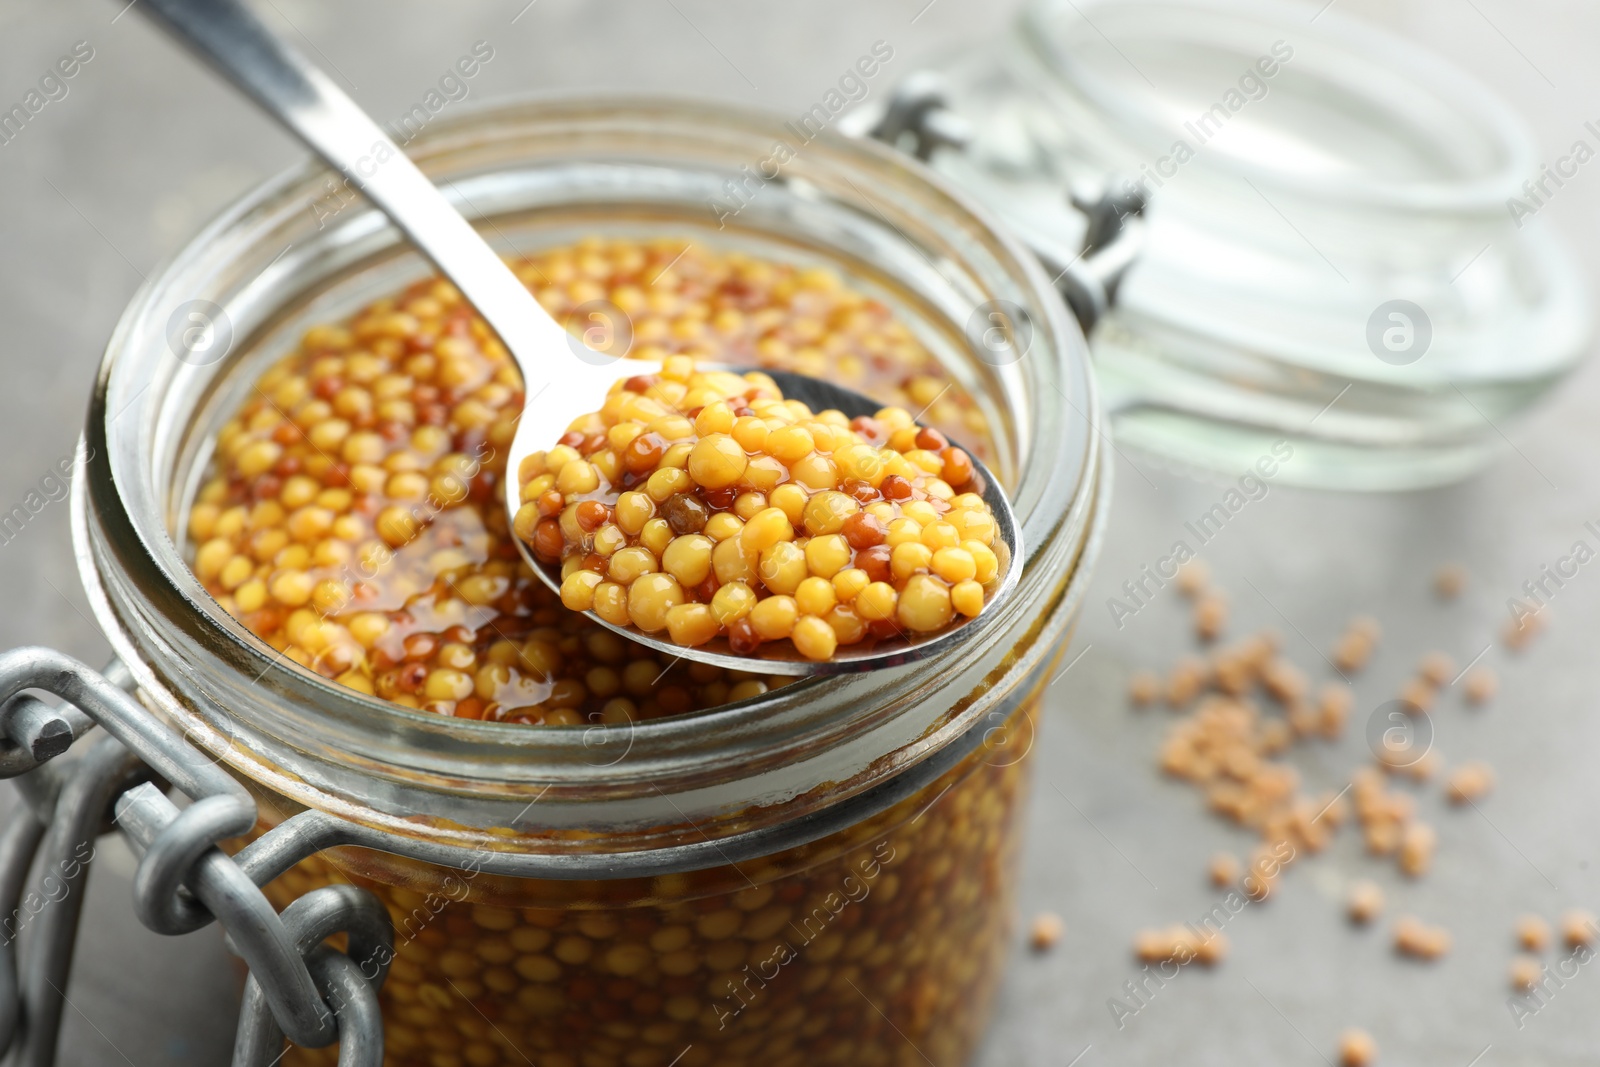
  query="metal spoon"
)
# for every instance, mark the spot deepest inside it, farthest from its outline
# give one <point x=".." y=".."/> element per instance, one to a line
<point x="563" y="378"/>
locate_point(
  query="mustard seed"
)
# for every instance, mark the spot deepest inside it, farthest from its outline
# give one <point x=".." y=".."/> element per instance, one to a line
<point x="1417" y="843"/>
<point x="1518" y="632"/>
<point x="1351" y="652"/>
<point x="1045" y="930"/>
<point x="1357" y="1049"/>
<point x="1193" y="578"/>
<point x="1533" y="933"/>
<point x="1526" y="973"/>
<point x="1143" y="688"/>
<point x="1418" y="696"/>
<point x="1436" y="668"/>
<point x="1579" y="928"/>
<point x="1333" y="709"/>
<point x="1469" y="782"/>
<point x="765" y="509"/>
<point x="1480" y="685"/>
<point x="1416" y="939"/>
<point x="1225" y="870"/>
<point x="1364" y="902"/>
<point x="1210" y="616"/>
<point x="1449" y="580"/>
<point x="351" y="516"/>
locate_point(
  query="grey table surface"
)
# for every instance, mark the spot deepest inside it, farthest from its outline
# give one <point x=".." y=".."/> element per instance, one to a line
<point x="107" y="182"/>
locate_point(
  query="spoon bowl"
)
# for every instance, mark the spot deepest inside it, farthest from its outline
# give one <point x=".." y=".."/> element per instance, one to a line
<point x="551" y="407"/>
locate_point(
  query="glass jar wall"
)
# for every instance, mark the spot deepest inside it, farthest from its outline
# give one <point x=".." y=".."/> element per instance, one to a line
<point x="593" y="860"/>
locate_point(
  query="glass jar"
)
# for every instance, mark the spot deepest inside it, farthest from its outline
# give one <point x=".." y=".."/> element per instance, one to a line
<point x="820" y="872"/>
<point x="1342" y="245"/>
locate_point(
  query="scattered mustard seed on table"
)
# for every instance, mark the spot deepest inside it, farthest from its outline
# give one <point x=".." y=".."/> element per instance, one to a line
<point x="1417" y="843"/>
<point x="1364" y="902"/>
<point x="1436" y="668"/>
<point x="1143" y="688"/>
<point x="1416" y="939"/>
<point x="1210" y="616"/>
<point x="1045" y="930"/>
<point x="1533" y="933"/>
<point x="1469" y="782"/>
<point x="1194" y="577"/>
<point x="1480" y="685"/>
<point x="1526" y="973"/>
<point x="1357" y="1049"/>
<point x="1449" y="580"/>
<point x="1579" y="928"/>
<point x="1225" y="870"/>
<point x="1181" y="944"/>
<point x="1354" y="647"/>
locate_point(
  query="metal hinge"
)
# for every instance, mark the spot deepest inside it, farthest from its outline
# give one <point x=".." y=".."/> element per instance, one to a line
<point x="299" y="987"/>
<point x="918" y="119"/>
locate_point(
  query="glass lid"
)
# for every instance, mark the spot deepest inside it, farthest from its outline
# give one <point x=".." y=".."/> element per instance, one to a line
<point x="1342" y="248"/>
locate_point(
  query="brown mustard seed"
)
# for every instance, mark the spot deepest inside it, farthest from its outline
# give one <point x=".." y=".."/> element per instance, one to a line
<point x="1418" y="696"/>
<point x="1533" y="933"/>
<point x="1518" y="632"/>
<point x="351" y="514"/>
<point x="1364" y="902"/>
<point x="1333" y="710"/>
<point x="1449" y="580"/>
<point x="755" y="491"/>
<point x="1357" y="1049"/>
<point x="1332" y="810"/>
<point x="1351" y="652"/>
<point x="1225" y="869"/>
<point x="1233" y="672"/>
<point x="1469" y="782"/>
<point x="1436" y="668"/>
<point x="1302" y="718"/>
<point x="1480" y="685"/>
<point x="1211" y="949"/>
<point x="1152" y="946"/>
<point x="1526" y="973"/>
<point x="1181" y="944"/>
<point x="685" y="514"/>
<point x="1579" y="928"/>
<point x="1416" y="939"/>
<point x="1210" y="616"/>
<point x="1284" y="681"/>
<point x="1423" y="767"/>
<point x="1187" y="679"/>
<point x="1417" y="842"/>
<point x="1194" y="577"/>
<point x="1143" y="688"/>
<point x="1045" y="930"/>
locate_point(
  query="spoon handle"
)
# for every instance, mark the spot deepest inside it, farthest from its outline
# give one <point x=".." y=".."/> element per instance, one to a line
<point x="307" y="102"/>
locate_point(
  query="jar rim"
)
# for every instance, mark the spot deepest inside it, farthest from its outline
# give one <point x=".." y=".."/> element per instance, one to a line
<point x="195" y="662"/>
